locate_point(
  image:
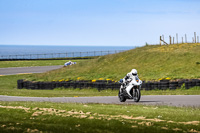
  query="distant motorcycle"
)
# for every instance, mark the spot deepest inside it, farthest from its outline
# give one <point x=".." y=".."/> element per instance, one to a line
<point x="135" y="91"/>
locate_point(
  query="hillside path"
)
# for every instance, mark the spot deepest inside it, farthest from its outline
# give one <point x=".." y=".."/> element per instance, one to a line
<point x="25" y="70"/>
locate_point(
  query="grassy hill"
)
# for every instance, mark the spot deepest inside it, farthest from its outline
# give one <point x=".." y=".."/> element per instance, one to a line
<point x="153" y="62"/>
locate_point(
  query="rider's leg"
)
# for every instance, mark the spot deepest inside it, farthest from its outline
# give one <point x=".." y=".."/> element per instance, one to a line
<point x="121" y="88"/>
<point x="128" y="89"/>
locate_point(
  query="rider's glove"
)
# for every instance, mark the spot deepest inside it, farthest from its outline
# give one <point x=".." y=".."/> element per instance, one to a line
<point x="128" y="80"/>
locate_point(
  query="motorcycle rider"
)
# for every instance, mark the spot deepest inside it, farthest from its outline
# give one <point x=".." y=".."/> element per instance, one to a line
<point x="130" y="77"/>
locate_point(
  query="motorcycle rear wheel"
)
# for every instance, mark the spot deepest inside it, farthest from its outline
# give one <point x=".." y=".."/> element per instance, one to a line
<point x="121" y="97"/>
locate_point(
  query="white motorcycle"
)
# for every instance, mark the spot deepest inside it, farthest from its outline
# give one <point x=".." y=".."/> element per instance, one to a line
<point x="135" y="90"/>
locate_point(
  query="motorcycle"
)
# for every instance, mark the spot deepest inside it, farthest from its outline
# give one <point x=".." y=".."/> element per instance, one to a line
<point x="135" y="90"/>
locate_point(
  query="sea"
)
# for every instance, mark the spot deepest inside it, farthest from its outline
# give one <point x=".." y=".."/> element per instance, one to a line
<point x="43" y="51"/>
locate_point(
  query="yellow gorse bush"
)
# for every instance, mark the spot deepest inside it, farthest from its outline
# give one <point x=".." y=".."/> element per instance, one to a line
<point x="61" y="80"/>
<point x="165" y="78"/>
<point x="168" y="78"/>
<point x="94" y="80"/>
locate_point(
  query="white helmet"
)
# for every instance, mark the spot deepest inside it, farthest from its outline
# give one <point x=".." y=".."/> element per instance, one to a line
<point x="134" y="72"/>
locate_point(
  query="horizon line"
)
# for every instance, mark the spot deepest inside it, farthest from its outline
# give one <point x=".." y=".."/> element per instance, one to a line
<point x="69" y="45"/>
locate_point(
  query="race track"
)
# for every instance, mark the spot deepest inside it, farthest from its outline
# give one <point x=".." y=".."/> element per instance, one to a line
<point x="24" y="70"/>
<point x="170" y="100"/>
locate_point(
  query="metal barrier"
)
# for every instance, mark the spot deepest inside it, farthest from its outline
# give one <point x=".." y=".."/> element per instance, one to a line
<point x="58" y="55"/>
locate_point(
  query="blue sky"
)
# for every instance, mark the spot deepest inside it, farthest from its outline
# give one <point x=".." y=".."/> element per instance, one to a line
<point x="96" y="22"/>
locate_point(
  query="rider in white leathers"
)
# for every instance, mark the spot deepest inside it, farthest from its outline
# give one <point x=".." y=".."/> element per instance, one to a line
<point x="132" y="76"/>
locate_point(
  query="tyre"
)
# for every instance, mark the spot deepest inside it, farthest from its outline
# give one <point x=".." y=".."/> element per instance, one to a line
<point x="137" y="95"/>
<point x="121" y="97"/>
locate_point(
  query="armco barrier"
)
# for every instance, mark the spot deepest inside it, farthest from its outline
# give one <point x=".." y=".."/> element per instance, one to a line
<point x="103" y="84"/>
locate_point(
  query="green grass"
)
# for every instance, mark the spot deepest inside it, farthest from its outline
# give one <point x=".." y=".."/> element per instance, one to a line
<point x="8" y="86"/>
<point x="62" y="117"/>
<point x="29" y="63"/>
<point x="153" y="62"/>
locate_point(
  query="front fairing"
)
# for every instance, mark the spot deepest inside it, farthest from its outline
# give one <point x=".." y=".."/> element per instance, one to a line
<point x="136" y="83"/>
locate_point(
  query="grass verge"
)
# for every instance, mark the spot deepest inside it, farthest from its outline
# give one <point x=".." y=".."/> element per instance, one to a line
<point x="60" y="117"/>
<point x="8" y="86"/>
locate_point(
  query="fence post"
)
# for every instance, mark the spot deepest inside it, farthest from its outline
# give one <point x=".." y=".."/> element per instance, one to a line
<point x="177" y="37"/>
<point x="160" y="41"/>
<point x="170" y="40"/>
<point x="182" y="39"/>
<point x="163" y="38"/>
<point x="185" y="38"/>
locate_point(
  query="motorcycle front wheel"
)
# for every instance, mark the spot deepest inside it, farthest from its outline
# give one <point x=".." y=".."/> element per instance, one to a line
<point x="121" y="97"/>
<point x="137" y="95"/>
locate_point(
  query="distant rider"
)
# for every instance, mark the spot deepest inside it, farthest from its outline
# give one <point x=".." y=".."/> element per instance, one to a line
<point x="132" y="78"/>
<point x="69" y="63"/>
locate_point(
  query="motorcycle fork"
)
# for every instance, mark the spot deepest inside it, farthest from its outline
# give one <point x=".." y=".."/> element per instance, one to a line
<point x="133" y="90"/>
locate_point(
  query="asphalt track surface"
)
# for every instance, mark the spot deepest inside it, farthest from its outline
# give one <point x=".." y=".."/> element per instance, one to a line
<point x="169" y="100"/>
<point x="25" y="70"/>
